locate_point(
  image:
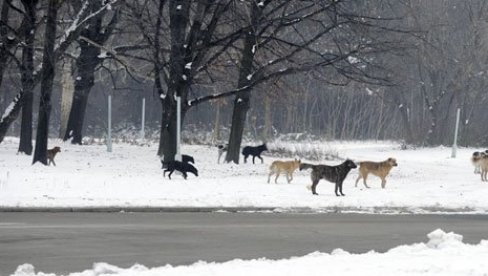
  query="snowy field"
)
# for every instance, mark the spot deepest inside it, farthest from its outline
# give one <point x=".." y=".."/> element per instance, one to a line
<point x="444" y="254"/>
<point x="427" y="180"/>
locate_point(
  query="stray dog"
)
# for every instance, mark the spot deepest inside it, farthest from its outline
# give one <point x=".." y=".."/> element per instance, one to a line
<point x="222" y="149"/>
<point x="254" y="151"/>
<point x="380" y="169"/>
<point x="187" y="159"/>
<point x="476" y="158"/>
<point x="182" y="167"/>
<point x="483" y="164"/>
<point x="51" y="153"/>
<point x="334" y="174"/>
<point x="287" y="166"/>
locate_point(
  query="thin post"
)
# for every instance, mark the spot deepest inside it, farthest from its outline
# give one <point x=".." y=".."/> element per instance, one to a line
<point x="454" y="145"/>
<point x="178" y="128"/>
<point x="143" y="118"/>
<point x="109" y="130"/>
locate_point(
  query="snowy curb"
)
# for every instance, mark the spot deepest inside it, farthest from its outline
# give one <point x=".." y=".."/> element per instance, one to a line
<point x="294" y="210"/>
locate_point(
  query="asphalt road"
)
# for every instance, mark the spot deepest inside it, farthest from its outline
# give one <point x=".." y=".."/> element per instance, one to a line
<point x="70" y="242"/>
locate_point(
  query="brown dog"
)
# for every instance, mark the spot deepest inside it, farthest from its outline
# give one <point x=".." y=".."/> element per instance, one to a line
<point x="286" y="166"/>
<point x="51" y="153"/>
<point x="380" y="169"/>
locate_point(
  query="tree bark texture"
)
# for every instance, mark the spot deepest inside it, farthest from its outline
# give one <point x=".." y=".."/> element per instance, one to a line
<point x="27" y="77"/>
<point x="40" y="152"/>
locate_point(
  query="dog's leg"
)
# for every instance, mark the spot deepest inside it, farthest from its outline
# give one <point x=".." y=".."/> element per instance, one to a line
<point x="54" y="163"/>
<point x="277" y="175"/>
<point x="170" y="173"/>
<point x="218" y="159"/>
<point x="357" y="180"/>
<point x="253" y="157"/>
<point x="290" y="177"/>
<point x="262" y="161"/>
<point x="340" y="188"/>
<point x="184" y="175"/>
<point x="337" y="188"/>
<point x="364" y="180"/>
<point x="314" y="186"/>
<point x="269" y="175"/>
<point x="245" y="158"/>
<point x="164" y="173"/>
<point x="383" y="182"/>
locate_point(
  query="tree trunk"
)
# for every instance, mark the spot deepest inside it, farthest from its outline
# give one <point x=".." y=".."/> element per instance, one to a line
<point x="66" y="97"/>
<point x="40" y="153"/>
<point x="267" y="117"/>
<point x="216" y="136"/>
<point x="242" y="100"/>
<point x="86" y="64"/>
<point x="76" y="117"/>
<point x="4" y="38"/>
<point x="10" y="115"/>
<point x="27" y="78"/>
<point x="179" y="77"/>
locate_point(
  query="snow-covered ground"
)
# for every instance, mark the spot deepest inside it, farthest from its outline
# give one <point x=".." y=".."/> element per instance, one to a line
<point x="426" y="180"/>
<point x="444" y="254"/>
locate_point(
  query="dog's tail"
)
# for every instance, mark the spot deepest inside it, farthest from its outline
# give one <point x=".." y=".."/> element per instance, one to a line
<point x="305" y="166"/>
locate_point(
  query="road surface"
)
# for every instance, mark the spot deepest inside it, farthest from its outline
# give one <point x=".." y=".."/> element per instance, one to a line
<point x="72" y="242"/>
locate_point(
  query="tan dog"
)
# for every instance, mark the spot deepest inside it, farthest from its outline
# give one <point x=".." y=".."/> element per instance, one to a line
<point x="283" y="166"/>
<point x="380" y="169"/>
<point x="476" y="159"/>
<point x="51" y="153"/>
<point x="483" y="164"/>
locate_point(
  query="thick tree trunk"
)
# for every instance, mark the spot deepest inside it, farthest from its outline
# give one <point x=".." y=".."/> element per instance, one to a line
<point x="76" y="117"/>
<point x="242" y="100"/>
<point x="241" y="106"/>
<point x="40" y="152"/>
<point x="27" y="78"/>
<point x="66" y="97"/>
<point x="86" y="64"/>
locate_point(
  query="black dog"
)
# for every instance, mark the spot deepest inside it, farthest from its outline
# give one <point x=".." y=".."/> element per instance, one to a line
<point x="187" y="159"/>
<point x="254" y="151"/>
<point x="334" y="174"/>
<point x="182" y="167"/>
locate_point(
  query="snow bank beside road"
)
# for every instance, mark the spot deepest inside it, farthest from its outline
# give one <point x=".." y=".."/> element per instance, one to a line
<point x="444" y="254"/>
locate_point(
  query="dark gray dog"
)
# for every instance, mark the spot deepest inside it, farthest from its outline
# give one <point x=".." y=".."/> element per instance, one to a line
<point x="334" y="174"/>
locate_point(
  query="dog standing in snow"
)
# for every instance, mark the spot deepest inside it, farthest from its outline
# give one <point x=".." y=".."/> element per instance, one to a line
<point x="334" y="174"/>
<point x="254" y="151"/>
<point x="380" y="169"/>
<point x="51" y="153"/>
<point x="283" y="166"/>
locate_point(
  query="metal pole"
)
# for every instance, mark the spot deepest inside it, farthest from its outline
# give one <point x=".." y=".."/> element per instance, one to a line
<point x="178" y="128"/>
<point x="143" y="118"/>
<point x="454" y="146"/>
<point x="109" y="132"/>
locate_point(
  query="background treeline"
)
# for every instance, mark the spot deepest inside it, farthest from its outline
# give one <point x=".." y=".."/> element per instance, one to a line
<point x="335" y="69"/>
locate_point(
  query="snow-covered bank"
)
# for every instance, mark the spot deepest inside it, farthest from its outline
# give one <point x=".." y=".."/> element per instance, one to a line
<point x="444" y="254"/>
<point x="426" y="180"/>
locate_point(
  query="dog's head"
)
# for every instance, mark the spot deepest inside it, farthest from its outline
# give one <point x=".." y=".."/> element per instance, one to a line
<point x="392" y="162"/>
<point x="264" y="147"/>
<point x="56" y="149"/>
<point x="350" y="164"/>
<point x="476" y="154"/>
<point x="296" y="163"/>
